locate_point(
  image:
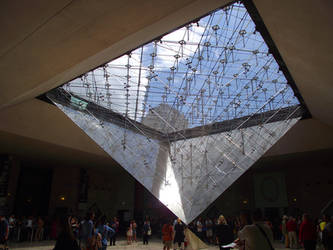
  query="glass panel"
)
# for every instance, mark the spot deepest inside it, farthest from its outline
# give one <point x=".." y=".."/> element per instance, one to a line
<point x="189" y="113"/>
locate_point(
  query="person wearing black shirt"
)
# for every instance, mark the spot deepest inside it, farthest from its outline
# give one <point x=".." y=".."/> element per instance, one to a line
<point x="224" y="234"/>
<point x="179" y="233"/>
<point x="66" y="238"/>
<point x="146" y="232"/>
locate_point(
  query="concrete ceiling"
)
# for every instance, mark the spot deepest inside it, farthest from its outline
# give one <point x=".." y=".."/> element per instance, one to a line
<point x="301" y="32"/>
<point x="45" y="44"/>
<point x="55" y="155"/>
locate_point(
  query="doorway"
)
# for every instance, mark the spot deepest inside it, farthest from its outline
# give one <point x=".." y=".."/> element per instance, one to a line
<point x="33" y="191"/>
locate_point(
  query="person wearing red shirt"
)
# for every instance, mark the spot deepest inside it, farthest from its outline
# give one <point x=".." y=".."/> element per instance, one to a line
<point x="307" y="233"/>
<point x="291" y="228"/>
<point x="167" y="235"/>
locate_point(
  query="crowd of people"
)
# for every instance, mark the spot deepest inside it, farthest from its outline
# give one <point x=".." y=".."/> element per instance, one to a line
<point x="70" y="232"/>
<point x="250" y="231"/>
<point x="246" y="231"/>
<point x="94" y="233"/>
<point x="306" y="232"/>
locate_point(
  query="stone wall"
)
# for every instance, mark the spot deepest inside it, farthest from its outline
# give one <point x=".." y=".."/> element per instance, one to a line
<point x="110" y="192"/>
<point x="64" y="189"/>
<point x="308" y="183"/>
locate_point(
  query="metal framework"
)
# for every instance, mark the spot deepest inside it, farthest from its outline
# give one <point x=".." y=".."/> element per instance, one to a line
<point x="189" y="112"/>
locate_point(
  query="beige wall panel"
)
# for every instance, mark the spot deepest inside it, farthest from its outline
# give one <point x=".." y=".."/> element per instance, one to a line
<point x="83" y="35"/>
<point x="42" y="121"/>
<point x="306" y="135"/>
<point x="302" y="33"/>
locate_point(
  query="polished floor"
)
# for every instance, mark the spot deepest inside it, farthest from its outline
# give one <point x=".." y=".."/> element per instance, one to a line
<point x="153" y="245"/>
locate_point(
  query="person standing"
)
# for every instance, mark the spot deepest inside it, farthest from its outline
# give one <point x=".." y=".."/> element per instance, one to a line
<point x="284" y="230"/>
<point x="243" y="220"/>
<point x="53" y="229"/>
<point x="134" y="227"/>
<point x="105" y="231"/>
<point x="209" y="230"/>
<point x="40" y="229"/>
<point x="96" y="241"/>
<point x="86" y="232"/>
<point x="12" y="227"/>
<point x="257" y="236"/>
<point x="4" y="231"/>
<point x="167" y="235"/>
<point x="199" y="228"/>
<point x="179" y="237"/>
<point x="146" y="232"/>
<point x="224" y="234"/>
<point x="115" y="226"/>
<point x="291" y="228"/>
<point x="307" y="233"/>
<point x="75" y="226"/>
<point x="129" y="233"/>
<point x="328" y="235"/>
<point x="29" y="228"/>
<point x="66" y="239"/>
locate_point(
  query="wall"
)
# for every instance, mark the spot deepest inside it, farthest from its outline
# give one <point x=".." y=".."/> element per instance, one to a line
<point x="13" y="181"/>
<point x="308" y="180"/>
<point x="107" y="191"/>
<point x="65" y="183"/>
<point x="306" y="135"/>
<point x="42" y="121"/>
<point x="110" y="191"/>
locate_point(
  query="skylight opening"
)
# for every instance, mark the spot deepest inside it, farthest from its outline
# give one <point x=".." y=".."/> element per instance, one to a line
<point x="216" y="69"/>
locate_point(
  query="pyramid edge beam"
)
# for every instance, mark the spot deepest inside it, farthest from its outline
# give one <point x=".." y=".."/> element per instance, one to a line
<point x="105" y="114"/>
<point x="218" y="127"/>
<point x="242" y="122"/>
<point x="261" y="27"/>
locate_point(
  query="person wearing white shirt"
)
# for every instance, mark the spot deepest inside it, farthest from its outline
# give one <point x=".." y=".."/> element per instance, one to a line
<point x="199" y="228"/>
<point x="12" y="224"/>
<point x="29" y="222"/>
<point x="257" y="236"/>
<point x="29" y="228"/>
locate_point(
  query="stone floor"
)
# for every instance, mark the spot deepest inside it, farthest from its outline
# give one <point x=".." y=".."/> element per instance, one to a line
<point x="153" y="245"/>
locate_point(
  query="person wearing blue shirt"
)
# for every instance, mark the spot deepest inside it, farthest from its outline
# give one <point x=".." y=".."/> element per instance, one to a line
<point x="86" y="231"/>
<point x="105" y="231"/>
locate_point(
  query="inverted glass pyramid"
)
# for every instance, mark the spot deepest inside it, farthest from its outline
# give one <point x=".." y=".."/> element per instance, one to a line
<point x="189" y="113"/>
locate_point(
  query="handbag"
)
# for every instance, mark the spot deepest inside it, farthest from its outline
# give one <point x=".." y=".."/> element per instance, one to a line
<point x="149" y="232"/>
<point x="129" y="233"/>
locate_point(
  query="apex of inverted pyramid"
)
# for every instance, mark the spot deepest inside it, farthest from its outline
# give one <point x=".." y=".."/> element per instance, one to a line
<point x="190" y="112"/>
<point x="186" y="175"/>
